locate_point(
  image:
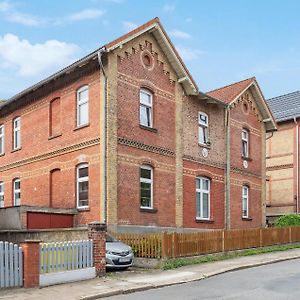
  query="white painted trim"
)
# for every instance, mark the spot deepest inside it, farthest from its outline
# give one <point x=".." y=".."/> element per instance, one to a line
<point x="67" y="276"/>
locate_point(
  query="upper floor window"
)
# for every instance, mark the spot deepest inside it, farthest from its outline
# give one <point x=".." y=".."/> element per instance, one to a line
<point x="17" y="192"/>
<point x="146" y="187"/>
<point x="2" y="139"/>
<point x="1" y="194"/>
<point x="82" y="186"/>
<point x="245" y="143"/>
<point x="203" y="198"/>
<point x="17" y="133"/>
<point x="245" y="202"/>
<point x="83" y="106"/>
<point x="146" y="108"/>
<point x="203" y="128"/>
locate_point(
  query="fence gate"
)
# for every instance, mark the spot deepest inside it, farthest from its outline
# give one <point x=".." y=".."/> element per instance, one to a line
<point x="11" y="265"/>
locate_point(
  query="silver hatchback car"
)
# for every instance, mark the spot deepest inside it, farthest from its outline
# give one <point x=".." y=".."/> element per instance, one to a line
<point x="118" y="254"/>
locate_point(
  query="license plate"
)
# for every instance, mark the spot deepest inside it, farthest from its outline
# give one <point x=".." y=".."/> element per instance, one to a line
<point x="124" y="259"/>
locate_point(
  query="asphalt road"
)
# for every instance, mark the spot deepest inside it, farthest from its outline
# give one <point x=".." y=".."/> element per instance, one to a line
<point x="275" y="281"/>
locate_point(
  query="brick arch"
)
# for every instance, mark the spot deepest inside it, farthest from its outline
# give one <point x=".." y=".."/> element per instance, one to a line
<point x="150" y="162"/>
<point x="204" y="173"/>
<point x="55" y="165"/>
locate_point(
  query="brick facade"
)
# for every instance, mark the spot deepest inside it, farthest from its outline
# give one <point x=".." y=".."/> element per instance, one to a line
<point x="52" y="146"/>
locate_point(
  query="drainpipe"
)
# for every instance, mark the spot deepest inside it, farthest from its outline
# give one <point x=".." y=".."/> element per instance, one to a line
<point x="227" y="179"/>
<point x="104" y="160"/>
<point x="297" y="164"/>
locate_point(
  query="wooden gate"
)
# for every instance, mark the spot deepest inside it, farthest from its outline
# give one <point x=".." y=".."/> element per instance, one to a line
<point x="11" y="265"/>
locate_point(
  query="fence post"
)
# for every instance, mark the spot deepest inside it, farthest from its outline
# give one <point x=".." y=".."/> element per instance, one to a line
<point x="290" y="235"/>
<point x="97" y="233"/>
<point x="260" y="238"/>
<point x="163" y="237"/>
<point x="223" y="240"/>
<point x="31" y="263"/>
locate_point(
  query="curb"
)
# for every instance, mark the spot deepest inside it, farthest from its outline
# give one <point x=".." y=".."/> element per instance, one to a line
<point x="202" y="276"/>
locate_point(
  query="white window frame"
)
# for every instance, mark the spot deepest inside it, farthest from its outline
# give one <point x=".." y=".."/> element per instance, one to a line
<point x="1" y="194"/>
<point x="78" y="181"/>
<point x="146" y="180"/>
<point x="15" y="191"/>
<point x="79" y="103"/>
<point x="147" y="106"/>
<point x="201" y="191"/>
<point x="203" y="126"/>
<point x="245" y="200"/>
<point x="17" y="133"/>
<point x="2" y="139"/>
<point x="245" y="140"/>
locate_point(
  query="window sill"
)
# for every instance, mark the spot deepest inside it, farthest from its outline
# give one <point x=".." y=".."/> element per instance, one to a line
<point x="204" y="145"/>
<point x="54" y="136"/>
<point x="246" y="158"/>
<point x="148" y="210"/>
<point x="83" y="209"/>
<point x="148" y="128"/>
<point x="198" y="220"/>
<point x="81" y="126"/>
<point x="246" y="219"/>
<point x="15" y="150"/>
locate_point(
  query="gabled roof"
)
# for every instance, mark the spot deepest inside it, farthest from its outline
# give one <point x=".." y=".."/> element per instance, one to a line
<point x="285" y="107"/>
<point x="230" y="93"/>
<point x="154" y="26"/>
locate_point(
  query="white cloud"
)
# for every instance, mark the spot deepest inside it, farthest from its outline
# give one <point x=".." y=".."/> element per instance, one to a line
<point x="169" y="8"/>
<point x="180" y="34"/>
<point x="128" y="26"/>
<point x="24" y="19"/>
<point x="86" y="14"/>
<point x="34" y="59"/>
<point x="188" y="53"/>
<point x="5" y="6"/>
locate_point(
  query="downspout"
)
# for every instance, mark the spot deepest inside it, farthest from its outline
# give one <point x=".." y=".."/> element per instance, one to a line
<point x="227" y="179"/>
<point x="104" y="161"/>
<point x="297" y="165"/>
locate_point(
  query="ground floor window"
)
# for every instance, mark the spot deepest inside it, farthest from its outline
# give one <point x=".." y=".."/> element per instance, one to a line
<point x="82" y="186"/>
<point x="17" y="192"/>
<point x="202" y="198"/>
<point x="245" y="202"/>
<point x="1" y="194"/>
<point x="146" y="187"/>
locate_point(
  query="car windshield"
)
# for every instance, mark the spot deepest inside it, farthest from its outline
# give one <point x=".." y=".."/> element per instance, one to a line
<point x="110" y="239"/>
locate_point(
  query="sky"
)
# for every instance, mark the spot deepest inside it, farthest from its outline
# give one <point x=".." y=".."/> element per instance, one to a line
<point x="220" y="41"/>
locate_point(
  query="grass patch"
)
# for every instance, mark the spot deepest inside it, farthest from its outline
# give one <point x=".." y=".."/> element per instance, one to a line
<point x="180" y="262"/>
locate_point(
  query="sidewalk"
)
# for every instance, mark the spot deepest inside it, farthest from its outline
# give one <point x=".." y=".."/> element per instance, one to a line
<point x="130" y="281"/>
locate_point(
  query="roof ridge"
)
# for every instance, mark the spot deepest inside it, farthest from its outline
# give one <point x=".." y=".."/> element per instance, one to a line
<point x="228" y="85"/>
<point x="283" y="95"/>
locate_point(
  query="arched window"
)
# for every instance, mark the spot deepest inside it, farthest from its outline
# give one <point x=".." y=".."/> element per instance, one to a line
<point x="82" y="186"/>
<point x="17" y="191"/>
<point x="1" y="194"/>
<point x="146" y="187"/>
<point x="83" y="106"/>
<point x="146" y="98"/>
<point x="203" y="198"/>
<point x="203" y="128"/>
<point x="17" y="133"/>
<point x="245" y="202"/>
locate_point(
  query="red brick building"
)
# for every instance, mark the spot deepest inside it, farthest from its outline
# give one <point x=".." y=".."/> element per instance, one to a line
<point x="125" y="137"/>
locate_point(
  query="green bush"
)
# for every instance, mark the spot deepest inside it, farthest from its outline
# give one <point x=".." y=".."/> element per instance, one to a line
<point x="288" y="220"/>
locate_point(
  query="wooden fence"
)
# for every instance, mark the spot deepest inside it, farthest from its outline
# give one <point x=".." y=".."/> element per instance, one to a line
<point x="11" y="265"/>
<point x="171" y="245"/>
<point x="63" y="256"/>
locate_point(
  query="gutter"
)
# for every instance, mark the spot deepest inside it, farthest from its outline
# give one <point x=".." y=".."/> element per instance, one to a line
<point x="227" y="180"/>
<point x="297" y="165"/>
<point x="103" y="145"/>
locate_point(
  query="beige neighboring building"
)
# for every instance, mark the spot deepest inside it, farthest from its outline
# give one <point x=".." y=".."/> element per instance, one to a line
<point x="282" y="150"/>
